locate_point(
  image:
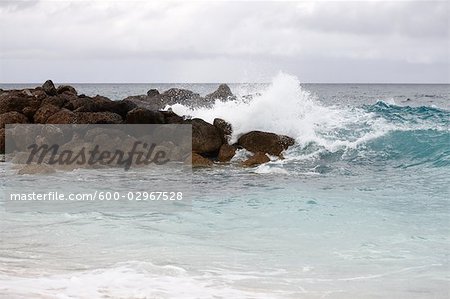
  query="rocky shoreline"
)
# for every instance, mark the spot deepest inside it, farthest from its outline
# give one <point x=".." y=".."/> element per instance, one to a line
<point x="48" y="104"/>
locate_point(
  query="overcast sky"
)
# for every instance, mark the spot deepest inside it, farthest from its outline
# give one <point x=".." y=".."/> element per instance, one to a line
<point x="142" y="41"/>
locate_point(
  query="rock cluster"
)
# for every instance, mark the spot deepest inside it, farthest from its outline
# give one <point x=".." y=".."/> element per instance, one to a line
<point x="210" y="142"/>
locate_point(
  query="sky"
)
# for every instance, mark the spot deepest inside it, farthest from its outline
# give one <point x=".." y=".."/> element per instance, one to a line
<point x="224" y="41"/>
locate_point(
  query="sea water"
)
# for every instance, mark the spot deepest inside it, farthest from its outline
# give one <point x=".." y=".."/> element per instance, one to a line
<point x="359" y="207"/>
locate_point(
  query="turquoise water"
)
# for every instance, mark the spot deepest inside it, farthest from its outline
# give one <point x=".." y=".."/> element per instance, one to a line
<point x="359" y="208"/>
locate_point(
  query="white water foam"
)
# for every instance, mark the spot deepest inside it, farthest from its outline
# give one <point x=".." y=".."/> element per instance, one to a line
<point x="124" y="280"/>
<point x="284" y="107"/>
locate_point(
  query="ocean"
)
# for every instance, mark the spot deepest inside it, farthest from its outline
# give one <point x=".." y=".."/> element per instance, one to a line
<point x="359" y="207"/>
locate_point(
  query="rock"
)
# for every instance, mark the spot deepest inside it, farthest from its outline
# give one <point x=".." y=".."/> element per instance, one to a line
<point x="19" y="101"/>
<point x="44" y="112"/>
<point x="206" y="139"/>
<point x="197" y="160"/>
<point x="120" y="107"/>
<point x="178" y="95"/>
<point x="270" y="143"/>
<point x="12" y="117"/>
<point x="92" y="133"/>
<point x="226" y="153"/>
<point x="144" y="116"/>
<point x="152" y="93"/>
<point x="63" y="116"/>
<point x="224" y="127"/>
<point x="156" y="101"/>
<point x="58" y="101"/>
<point x="222" y="93"/>
<point x="171" y="117"/>
<point x="66" y="89"/>
<point x="38" y="93"/>
<point x="49" y="88"/>
<point x="257" y="159"/>
<point x="98" y="118"/>
<point x="78" y="104"/>
<point x="151" y="103"/>
<point x="52" y="134"/>
<point x="2" y="141"/>
<point x="36" y="169"/>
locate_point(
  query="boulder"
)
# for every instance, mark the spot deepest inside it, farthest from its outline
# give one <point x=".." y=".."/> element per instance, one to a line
<point x="270" y="143"/>
<point x="63" y="116"/>
<point x="144" y="116"/>
<point x="66" y="89"/>
<point x="224" y="127"/>
<point x="78" y="104"/>
<point x="171" y="117"/>
<point x="226" y="153"/>
<point x="44" y="112"/>
<point x="222" y="93"/>
<point x="19" y="101"/>
<point x="58" y="101"/>
<point x="49" y="88"/>
<point x="197" y="160"/>
<point x="12" y="117"/>
<point x="257" y="159"/>
<point x="2" y="141"/>
<point x="153" y="103"/>
<point x="52" y="134"/>
<point x="178" y="95"/>
<point x="206" y="139"/>
<point x="120" y="107"/>
<point x="98" y="118"/>
<point x="152" y="93"/>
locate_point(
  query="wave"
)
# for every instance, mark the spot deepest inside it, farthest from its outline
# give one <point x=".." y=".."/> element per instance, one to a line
<point x="133" y="279"/>
<point x="284" y="107"/>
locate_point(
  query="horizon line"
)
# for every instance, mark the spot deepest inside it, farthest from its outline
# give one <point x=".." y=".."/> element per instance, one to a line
<point x="337" y="83"/>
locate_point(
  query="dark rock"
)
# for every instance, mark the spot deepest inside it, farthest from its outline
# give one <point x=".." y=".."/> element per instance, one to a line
<point x="52" y="134"/>
<point x="98" y="118"/>
<point x="44" y="112"/>
<point x="197" y="160"/>
<point x="257" y="159"/>
<point x="224" y="127"/>
<point x="144" y="116"/>
<point x="12" y="117"/>
<point x="152" y="92"/>
<point x="155" y="101"/>
<point x="91" y="133"/>
<point x="19" y="101"/>
<point x="178" y="95"/>
<point x="66" y="89"/>
<point x="120" y="107"/>
<point x="151" y="103"/>
<point x="270" y="143"/>
<point x="226" y="153"/>
<point x="21" y="137"/>
<point x="78" y="104"/>
<point x="2" y="141"/>
<point x="222" y="93"/>
<point x="38" y="93"/>
<point x="63" y="116"/>
<point x="49" y="88"/>
<point x="206" y="139"/>
<point x="58" y="101"/>
<point x="171" y="117"/>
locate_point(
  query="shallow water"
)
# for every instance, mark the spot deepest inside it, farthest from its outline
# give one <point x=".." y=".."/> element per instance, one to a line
<point x="359" y="208"/>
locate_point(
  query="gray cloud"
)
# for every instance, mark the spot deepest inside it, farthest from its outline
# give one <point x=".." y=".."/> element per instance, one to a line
<point x="224" y="41"/>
